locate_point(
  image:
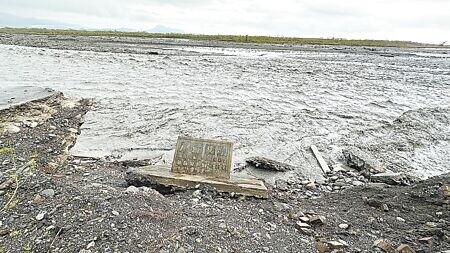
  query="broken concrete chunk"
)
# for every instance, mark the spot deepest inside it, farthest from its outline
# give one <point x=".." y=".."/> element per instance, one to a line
<point x="392" y="178"/>
<point x="385" y="245"/>
<point x="331" y="246"/>
<point x="268" y="164"/>
<point x="360" y="161"/>
<point x="160" y="177"/>
<point x="404" y="248"/>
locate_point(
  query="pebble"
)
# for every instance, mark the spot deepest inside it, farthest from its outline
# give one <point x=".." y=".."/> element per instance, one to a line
<point x="115" y="213"/>
<point x="222" y="225"/>
<point x="132" y="189"/>
<point x="48" y="193"/>
<point x="431" y="224"/>
<point x="400" y="219"/>
<point x="41" y="216"/>
<point x="90" y="245"/>
<point x="343" y="226"/>
<point x="357" y="183"/>
<point x="311" y="186"/>
<point x="197" y="193"/>
<point x="2" y="177"/>
<point x="11" y="129"/>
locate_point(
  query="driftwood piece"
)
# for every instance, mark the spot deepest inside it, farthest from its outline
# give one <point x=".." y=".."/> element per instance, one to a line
<point x="268" y="164"/>
<point x="320" y="159"/>
<point x="157" y="176"/>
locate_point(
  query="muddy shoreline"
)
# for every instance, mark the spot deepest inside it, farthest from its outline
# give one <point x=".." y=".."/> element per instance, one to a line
<point x="85" y="205"/>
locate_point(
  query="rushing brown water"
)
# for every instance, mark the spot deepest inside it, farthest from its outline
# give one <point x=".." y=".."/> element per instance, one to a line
<point x="269" y="102"/>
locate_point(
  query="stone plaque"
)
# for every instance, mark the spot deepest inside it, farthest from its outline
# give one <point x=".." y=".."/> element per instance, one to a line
<point x="203" y="157"/>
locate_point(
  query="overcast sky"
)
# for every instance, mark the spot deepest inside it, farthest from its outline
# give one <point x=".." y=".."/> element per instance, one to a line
<point x="417" y="20"/>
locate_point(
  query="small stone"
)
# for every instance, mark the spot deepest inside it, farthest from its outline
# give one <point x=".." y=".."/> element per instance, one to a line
<point x="403" y="248"/>
<point x="304" y="219"/>
<point x="33" y="124"/>
<point x="400" y="219"/>
<point x="73" y="130"/>
<point x="431" y="224"/>
<point x="11" y="129"/>
<point x="385" y="207"/>
<point x="426" y="240"/>
<point x="335" y="245"/>
<point x="40" y="216"/>
<point x="90" y="245"/>
<point x="384" y="245"/>
<point x="48" y="193"/>
<point x="311" y="186"/>
<point x="115" y="213"/>
<point x="357" y="183"/>
<point x="132" y="189"/>
<point x="300" y="225"/>
<point x="38" y="200"/>
<point x="317" y="220"/>
<point x="222" y="225"/>
<point x="446" y="191"/>
<point x="322" y="247"/>
<point x="197" y="193"/>
<point x="437" y="213"/>
<point x="343" y="226"/>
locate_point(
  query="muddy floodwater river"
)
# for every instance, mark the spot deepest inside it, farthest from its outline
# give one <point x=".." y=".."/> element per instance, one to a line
<point x="270" y="102"/>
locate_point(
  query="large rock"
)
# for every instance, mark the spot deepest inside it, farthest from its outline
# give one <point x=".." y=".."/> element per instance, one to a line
<point x="361" y="161"/>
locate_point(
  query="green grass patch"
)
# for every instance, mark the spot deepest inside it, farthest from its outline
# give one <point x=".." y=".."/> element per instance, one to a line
<point x="229" y="38"/>
<point x="6" y="150"/>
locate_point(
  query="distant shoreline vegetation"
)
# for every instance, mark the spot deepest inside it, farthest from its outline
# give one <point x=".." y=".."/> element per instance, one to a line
<point x="227" y="38"/>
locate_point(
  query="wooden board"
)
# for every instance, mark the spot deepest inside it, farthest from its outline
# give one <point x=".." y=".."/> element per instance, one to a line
<point x="319" y="158"/>
<point x="161" y="175"/>
<point x="204" y="157"/>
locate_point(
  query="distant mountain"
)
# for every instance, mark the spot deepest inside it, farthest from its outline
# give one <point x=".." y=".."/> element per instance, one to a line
<point x="8" y="20"/>
<point x="164" y="29"/>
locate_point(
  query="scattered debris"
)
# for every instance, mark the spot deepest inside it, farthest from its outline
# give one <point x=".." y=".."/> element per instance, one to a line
<point x="385" y="245"/>
<point x="268" y="164"/>
<point x="404" y="248"/>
